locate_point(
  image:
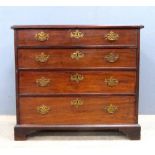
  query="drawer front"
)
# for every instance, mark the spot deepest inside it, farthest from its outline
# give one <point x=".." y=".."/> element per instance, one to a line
<point x="77" y="82"/>
<point x="67" y="37"/>
<point x="76" y="58"/>
<point x="77" y="110"/>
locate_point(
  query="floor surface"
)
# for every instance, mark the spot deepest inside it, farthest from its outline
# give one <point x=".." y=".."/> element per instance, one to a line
<point x="83" y="143"/>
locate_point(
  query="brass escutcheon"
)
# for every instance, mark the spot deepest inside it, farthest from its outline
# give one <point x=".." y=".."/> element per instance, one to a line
<point x="111" y="57"/>
<point x="111" y="82"/>
<point x="76" y="77"/>
<point x="111" y="109"/>
<point x="111" y="36"/>
<point x="41" y="36"/>
<point x="43" y="109"/>
<point x="77" y="55"/>
<point x="42" y="57"/>
<point x="42" y="82"/>
<point x="77" y="102"/>
<point x="76" y="34"/>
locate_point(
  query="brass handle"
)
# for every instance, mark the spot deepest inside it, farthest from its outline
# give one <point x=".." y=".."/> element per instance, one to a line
<point x="77" y="77"/>
<point x="43" y="109"/>
<point x="77" y="55"/>
<point x="76" y="103"/>
<point x="76" y="34"/>
<point x="42" y="57"/>
<point x="111" y="57"/>
<point x="111" y="82"/>
<point x="111" y="36"/>
<point x="111" y="109"/>
<point x="42" y="82"/>
<point x="41" y="36"/>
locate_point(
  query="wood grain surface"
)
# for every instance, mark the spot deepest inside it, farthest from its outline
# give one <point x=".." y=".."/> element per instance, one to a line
<point x="93" y="82"/>
<point x="62" y="37"/>
<point x="62" y="58"/>
<point x="91" y="112"/>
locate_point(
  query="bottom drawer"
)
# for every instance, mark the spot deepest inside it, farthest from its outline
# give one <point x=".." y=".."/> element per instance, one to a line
<point x="77" y="110"/>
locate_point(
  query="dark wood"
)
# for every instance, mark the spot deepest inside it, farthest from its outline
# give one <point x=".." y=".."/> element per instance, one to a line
<point x="130" y="130"/>
<point x="75" y="94"/>
<point x="137" y="79"/>
<point x="93" y="82"/>
<point x="61" y="58"/>
<point x="132" y="133"/>
<point x="79" y="69"/>
<point x="91" y="116"/>
<point x="91" y="112"/>
<point x="77" y="26"/>
<point x="16" y="75"/>
<point x="62" y="37"/>
<point x="78" y="47"/>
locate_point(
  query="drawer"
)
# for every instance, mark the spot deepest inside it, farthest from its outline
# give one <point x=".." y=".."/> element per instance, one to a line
<point x="76" y="58"/>
<point x="72" y="37"/>
<point x="52" y="82"/>
<point x="77" y="110"/>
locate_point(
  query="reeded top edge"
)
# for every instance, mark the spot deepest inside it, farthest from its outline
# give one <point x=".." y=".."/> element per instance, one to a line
<point x="76" y="26"/>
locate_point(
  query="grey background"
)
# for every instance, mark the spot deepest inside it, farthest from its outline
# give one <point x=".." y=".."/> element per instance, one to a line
<point x="77" y="15"/>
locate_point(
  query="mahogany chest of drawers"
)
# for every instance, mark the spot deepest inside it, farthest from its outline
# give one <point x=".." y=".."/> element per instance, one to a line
<point x="71" y="78"/>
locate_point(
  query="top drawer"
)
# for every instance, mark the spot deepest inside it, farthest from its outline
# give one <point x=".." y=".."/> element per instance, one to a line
<point x="76" y="37"/>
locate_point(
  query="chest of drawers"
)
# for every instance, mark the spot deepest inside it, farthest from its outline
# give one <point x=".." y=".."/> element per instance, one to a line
<point x="71" y="78"/>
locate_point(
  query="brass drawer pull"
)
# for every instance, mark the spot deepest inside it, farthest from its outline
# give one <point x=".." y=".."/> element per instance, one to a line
<point x="76" y="34"/>
<point x="111" y="57"/>
<point x="42" y="57"/>
<point x="76" y="103"/>
<point x="43" y="109"/>
<point x="111" y="109"/>
<point x="111" y="36"/>
<point x="77" y="77"/>
<point x="77" y="55"/>
<point x="42" y="82"/>
<point x="41" y="36"/>
<point x="111" y="82"/>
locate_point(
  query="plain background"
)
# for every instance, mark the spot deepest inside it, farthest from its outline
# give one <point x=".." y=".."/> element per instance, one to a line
<point x="77" y="15"/>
